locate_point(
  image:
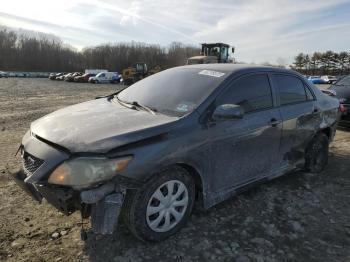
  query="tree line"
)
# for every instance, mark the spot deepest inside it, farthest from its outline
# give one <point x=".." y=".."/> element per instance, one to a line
<point x="323" y="63"/>
<point x="44" y="53"/>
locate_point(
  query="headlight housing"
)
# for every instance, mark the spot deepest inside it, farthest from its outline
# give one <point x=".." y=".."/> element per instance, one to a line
<point x="83" y="172"/>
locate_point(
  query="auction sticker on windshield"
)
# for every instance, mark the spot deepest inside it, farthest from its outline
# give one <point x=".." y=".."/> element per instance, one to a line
<point x="185" y="107"/>
<point x="211" y="73"/>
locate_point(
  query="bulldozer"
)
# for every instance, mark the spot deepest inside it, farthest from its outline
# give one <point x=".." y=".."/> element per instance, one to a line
<point x="137" y="72"/>
<point x="212" y="53"/>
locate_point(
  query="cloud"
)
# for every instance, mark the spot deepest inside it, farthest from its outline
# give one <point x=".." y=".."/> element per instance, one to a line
<point x="261" y="30"/>
<point x="131" y="15"/>
<point x="265" y="30"/>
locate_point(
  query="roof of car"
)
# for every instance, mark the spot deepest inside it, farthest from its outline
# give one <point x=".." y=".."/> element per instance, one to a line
<point x="231" y="68"/>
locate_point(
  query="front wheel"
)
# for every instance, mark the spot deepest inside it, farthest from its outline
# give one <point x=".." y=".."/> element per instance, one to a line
<point x="162" y="206"/>
<point x="316" y="155"/>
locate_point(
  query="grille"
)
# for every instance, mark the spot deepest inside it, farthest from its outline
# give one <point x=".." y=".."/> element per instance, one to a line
<point x="30" y="163"/>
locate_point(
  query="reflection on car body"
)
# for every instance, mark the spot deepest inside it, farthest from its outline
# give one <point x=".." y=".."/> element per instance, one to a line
<point x="208" y="130"/>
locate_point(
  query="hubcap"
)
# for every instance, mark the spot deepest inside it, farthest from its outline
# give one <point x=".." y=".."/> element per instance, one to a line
<point x="167" y="206"/>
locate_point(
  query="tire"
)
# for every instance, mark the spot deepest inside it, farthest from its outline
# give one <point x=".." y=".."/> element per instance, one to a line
<point x="146" y="216"/>
<point x="316" y="155"/>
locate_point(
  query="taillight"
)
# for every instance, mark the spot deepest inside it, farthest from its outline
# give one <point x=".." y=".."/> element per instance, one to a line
<point x="342" y="108"/>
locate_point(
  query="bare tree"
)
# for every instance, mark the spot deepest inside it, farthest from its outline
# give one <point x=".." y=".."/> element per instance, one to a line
<point x="40" y="52"/>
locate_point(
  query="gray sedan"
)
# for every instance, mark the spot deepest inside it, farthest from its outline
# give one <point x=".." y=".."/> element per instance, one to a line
<point x="199" y="132"/>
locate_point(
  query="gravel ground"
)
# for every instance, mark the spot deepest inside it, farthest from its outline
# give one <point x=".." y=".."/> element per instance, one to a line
<point x="298" y="217"/>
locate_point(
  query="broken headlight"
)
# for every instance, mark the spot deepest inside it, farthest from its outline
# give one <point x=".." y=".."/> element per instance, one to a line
<point x="82" y="172"/>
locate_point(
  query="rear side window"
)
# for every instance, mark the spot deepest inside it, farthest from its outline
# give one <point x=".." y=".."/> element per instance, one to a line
<point x="252" y="93"/>
<point x="291" y="89"/>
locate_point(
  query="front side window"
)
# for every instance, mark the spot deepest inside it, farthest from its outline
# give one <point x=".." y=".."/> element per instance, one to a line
<point x="139" y="67"/>
<point x="252" y="93"/>
<point x="291" y="89"/>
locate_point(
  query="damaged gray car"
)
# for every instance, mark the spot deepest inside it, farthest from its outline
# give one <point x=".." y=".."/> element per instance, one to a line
<point x="192" y="133"/>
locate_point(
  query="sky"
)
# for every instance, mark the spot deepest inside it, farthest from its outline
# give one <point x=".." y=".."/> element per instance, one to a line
<point x="261" y="30"/>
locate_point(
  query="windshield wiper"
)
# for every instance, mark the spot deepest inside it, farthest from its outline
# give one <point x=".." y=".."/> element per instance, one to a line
<point x="110" y="96"/>
<point x="124" y="103"/>
<point x="136" y="104"/>
<point x="146" y="108"/>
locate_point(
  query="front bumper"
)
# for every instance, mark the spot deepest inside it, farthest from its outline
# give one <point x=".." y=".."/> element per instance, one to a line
<point x="30" y="189"/>
<point x="64" y="199"/>
<point x="103" y="203"/>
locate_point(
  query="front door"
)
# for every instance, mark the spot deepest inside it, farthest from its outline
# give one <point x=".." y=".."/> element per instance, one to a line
<point x="245" y="149"/>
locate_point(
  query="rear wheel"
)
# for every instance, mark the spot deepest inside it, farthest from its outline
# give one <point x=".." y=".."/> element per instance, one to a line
<point x="316" y="156"/>
<point x="162" y="206"/>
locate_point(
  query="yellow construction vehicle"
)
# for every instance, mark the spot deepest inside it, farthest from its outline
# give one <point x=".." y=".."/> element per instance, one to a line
<point x="137" y="72"/>
<point x="213" y="53"/>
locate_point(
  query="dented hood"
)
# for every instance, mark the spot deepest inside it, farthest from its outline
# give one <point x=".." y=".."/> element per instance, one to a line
<point x="99" y="126"/>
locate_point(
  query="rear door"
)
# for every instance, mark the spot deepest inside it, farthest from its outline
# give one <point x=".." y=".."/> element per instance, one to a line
<point x="299" y="114"/>
<point x="244" y="150"/>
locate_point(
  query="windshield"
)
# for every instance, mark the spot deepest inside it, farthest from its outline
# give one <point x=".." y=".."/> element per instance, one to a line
<point x="175" y="92"/>
<point x="344" y="81"/>
<point x="100" y="74"/>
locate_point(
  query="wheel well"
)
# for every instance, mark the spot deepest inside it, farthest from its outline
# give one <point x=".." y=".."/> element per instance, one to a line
<point x="327" y="131"/>
<point x="197" y="179"/>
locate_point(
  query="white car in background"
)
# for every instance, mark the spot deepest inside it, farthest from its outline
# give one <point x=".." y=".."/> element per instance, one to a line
<point x="105" y="77"/>
<point x="3" y="74"/>
<point x="329" y="79"/>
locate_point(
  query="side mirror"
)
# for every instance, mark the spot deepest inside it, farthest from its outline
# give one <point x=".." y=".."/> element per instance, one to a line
<point x="228" y="112"/>
<point x="233" y="50"/>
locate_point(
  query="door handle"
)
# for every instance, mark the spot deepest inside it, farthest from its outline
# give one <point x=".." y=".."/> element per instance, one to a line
<point x="315" y="110"/>
<point x="274" y="122"/>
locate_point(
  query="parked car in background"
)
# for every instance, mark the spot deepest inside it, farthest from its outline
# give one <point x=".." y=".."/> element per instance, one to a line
<point x="3" y="74"/>
<point x="53" y="76"/>
<point x="329" y="79"/>
<point x="20" y="74"/>
<point x="70" y="78"/>
<point x="209" y="130"/>
<point x="84" y="78"/>
<point x="62" y="77"/>
<point x="107" y="77"/>
<point x="316" y="80"/>
<point x="341" y="90"/>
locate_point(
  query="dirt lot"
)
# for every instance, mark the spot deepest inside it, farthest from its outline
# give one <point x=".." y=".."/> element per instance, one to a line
<point x="299" y="217"/>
